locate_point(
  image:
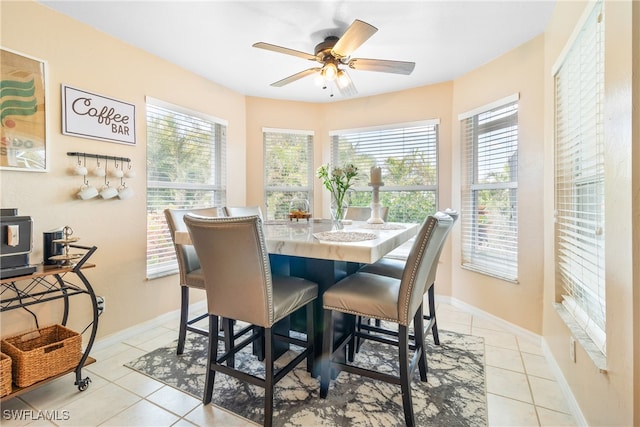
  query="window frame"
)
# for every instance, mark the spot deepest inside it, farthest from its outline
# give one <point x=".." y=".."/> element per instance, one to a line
<point x="159" y="241"/>
<point x="585" y="153"/>
<point x="361" y="186"/>
<point x="488" y="262"/>
<point x="305" y="191"/>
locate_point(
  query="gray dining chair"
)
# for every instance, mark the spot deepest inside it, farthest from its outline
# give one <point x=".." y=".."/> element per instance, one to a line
<point x="190" y="273"/>
<point x="385" y="298"/>
<point x="363" y="213"/>
<point x="243" y="211"/>
<point x="240" y="286"/>
<point x="394" y="267"/>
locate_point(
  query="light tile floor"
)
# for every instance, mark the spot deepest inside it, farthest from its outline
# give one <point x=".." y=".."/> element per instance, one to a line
<point x="521" y="391"/>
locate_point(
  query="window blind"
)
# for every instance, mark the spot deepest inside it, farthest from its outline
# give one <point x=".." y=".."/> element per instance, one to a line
<point x="185" y="169"/>
<point x="288" y="170"/>
<point x="579" y="179"/>
<point x="489" y="220"/>
<point x="408" y="156"/>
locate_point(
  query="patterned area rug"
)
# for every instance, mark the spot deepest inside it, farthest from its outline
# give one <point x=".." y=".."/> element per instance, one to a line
<point x="454" y="394"/>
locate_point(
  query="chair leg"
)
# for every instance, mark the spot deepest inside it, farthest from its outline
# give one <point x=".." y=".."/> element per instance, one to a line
<point x="359" y="320"/>
<point x="432" y="314"/>
<point x="420" y="342"/>
<point x="229" y="339"/>
<point x="212" y="358"/>
<point x="405" y="375"/>
<point x="184" y="318"/>
<point x="268" y="377"/>
<point x="327" y="354"/>
<point x="353" y="325"/>
<point x="311" y="334"/>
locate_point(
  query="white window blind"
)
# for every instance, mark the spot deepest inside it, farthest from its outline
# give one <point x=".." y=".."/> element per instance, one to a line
<point x="288" y="170"/>
<point x="489" y="219"/>
<point x="185" y="169"/>
<point x="408" y="156"/>
<point x="579" y="178"/>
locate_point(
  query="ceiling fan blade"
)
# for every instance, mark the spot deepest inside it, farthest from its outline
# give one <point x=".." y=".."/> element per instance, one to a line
<point x="345" y="85"/>
<point x="382" y="65"/>
<point x="285" y="50"/>
<point x="357" y="33"/>
<point x="295" y="77"/>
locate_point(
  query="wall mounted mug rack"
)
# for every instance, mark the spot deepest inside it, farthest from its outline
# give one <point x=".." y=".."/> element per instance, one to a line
<point x="98" y="156"/>
<point x="105" y="191"/>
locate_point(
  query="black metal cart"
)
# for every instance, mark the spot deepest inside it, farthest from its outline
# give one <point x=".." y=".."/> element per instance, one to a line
<point x="50" y="283"/>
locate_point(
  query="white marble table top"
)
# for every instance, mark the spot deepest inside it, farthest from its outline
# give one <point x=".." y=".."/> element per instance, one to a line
<point x="297" y="239"/>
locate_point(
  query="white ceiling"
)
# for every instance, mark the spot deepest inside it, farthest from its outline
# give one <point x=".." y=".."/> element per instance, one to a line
<point x="445" y="38"/>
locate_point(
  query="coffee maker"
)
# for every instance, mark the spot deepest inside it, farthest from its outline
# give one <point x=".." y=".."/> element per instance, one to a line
<point x="16" y="243"/>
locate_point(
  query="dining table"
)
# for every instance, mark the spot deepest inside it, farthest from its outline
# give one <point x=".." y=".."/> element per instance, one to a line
<point x="317" y="250"/>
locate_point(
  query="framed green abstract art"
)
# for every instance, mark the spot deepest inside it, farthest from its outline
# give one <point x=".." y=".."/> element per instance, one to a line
<point x="23" y="130"/>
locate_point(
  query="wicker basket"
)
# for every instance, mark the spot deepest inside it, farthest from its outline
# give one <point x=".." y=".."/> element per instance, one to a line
<point x="5" y="374"/>
<point x="41" y="354"/>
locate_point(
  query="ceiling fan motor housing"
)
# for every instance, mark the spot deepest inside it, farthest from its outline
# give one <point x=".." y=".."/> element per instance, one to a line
<point x="323" y="49"/>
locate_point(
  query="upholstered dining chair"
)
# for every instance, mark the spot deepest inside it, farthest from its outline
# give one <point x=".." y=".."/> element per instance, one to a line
<point x="394" y="267"/>
<point x="388" y="299"/>
<point x="363" y="213"/>
<point x="243" y="211"/>
<point x="191" y="276"/>
<point x="240" y="286"/>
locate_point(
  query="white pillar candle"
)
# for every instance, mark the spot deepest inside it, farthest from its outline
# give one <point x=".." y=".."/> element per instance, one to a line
<point x="376" y="175"/>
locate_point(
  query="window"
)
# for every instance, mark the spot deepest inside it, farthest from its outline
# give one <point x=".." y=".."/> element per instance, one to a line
<point x="408" y="156"/>
<point x="489" y="219"/>
<point x="185" y="169"/>
<point x="579" y="179"/>
<point x="288" y="172"/>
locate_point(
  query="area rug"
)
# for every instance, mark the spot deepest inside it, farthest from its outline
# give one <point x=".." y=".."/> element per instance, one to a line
<point x="454" y="394"/>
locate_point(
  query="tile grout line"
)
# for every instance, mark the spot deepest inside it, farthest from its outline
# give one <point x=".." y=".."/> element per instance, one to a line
<point x="524" y="366"/>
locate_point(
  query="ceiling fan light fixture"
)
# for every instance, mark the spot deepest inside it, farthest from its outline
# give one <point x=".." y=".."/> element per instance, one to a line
<point x="330" y="71"/>
<point x="342" y="79"/>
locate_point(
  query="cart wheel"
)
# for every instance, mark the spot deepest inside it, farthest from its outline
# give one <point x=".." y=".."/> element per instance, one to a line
<point x="84" y="384"/>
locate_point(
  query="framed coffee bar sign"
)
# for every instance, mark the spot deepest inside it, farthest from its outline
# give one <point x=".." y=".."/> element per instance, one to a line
<point x="88" y="115"/>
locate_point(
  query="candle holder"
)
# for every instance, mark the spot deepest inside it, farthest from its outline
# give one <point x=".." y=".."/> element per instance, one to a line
<point x="375" y="204"/>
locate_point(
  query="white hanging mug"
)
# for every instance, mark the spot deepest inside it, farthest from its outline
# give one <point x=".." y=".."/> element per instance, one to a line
<point x="117" y="173"/>
<point x="130" y="173"/>
<point x="108" y="192"/>
<point x="124" y="192"/>
<point x="98" y="171"/>
<point x="87" y="192"/>
<point x="80" y="170"/>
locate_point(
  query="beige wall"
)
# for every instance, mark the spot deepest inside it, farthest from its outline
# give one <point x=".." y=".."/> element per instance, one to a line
<point x="82" y="57"/>
<point x="518" y="72"/>
<point x="635" y="213"/>
<point x="85" y="58"/>
<point x="606" y="398"/>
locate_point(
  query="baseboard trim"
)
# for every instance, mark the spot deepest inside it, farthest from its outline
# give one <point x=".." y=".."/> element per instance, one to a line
<point x="510" y="327"/>
<point x="140" y="328"/>
<point x="564" y="385"/>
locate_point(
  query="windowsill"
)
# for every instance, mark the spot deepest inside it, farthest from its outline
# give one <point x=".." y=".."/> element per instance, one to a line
<point x="488" y="272"/>
<point x="599" y="359"/>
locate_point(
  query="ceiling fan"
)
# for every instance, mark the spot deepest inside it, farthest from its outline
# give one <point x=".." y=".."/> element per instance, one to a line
<point x="334" y="56"/>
